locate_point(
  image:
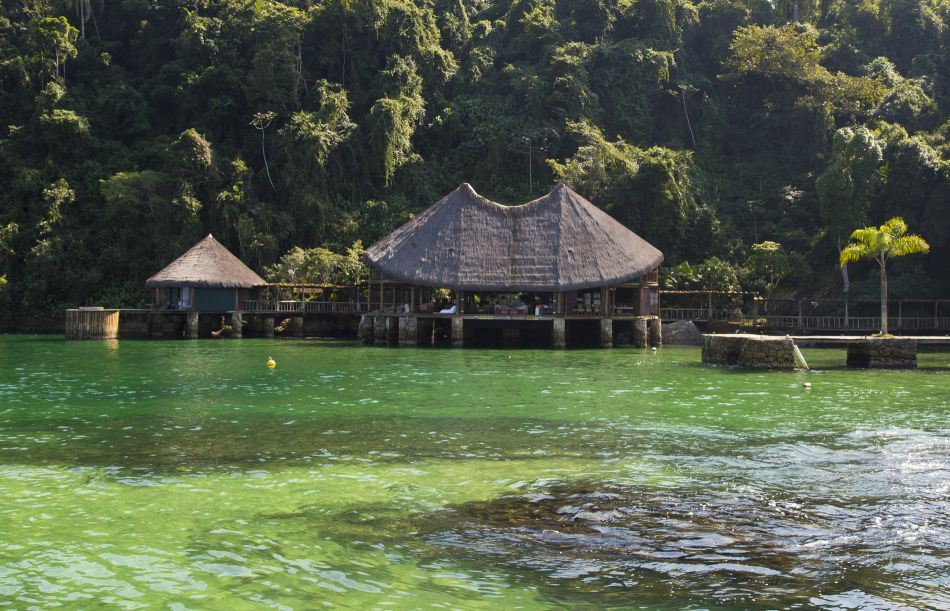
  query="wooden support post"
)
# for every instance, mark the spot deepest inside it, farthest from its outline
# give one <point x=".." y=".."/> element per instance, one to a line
<point x="606" y="333"/>
<point x="237" y="323"/>
<point x="709" y="297"/>
<point x="801" y="320"/>
<point x="297" y="322"/>
<point x="191" y="325"/>
<point x="936" y="318"/>
<point x="268" y="323"/>
<point x="900" y="313"/>
<point x="558" y="333"/>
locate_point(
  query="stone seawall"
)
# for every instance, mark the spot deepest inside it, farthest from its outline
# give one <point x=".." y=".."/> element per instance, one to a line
<point x="753" y="351"/>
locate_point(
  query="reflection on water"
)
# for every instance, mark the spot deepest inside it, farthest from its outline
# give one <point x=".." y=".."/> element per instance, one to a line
<point x="149" y="473"/>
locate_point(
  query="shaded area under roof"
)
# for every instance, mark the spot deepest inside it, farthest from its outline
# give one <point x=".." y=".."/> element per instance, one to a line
<point x="558" y="242"/>
<point x="207" y="264"/>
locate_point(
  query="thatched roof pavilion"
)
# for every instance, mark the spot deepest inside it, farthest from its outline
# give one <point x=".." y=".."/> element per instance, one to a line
<point x="206" y="278"/>
<point x="559" y="242"/>
<point x="207" y="264"/>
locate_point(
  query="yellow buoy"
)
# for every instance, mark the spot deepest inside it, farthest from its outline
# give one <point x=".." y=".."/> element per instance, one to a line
<point x="271" y="362"/>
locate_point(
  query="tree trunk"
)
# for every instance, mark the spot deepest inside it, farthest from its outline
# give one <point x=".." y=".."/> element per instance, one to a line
<point x="266" y="167"/>
<point x="883" y="298"/>
<point x="847" y="287"/>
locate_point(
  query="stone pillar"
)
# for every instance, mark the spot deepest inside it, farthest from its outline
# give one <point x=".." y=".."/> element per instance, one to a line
<point x="655" y="325"/>
<point x="408" y="327"/>
<point x="267" y="324"/>
<point x="296" y="325"/>
<point x="156" y="324"/>
<point x="558" y="335"/>
<point x="379" y="331"/>
<point x="191" y="325"/>
<point x="365" y="330"/>
<point x="458" y="331"/>
<point x="640" y="334"/>
<point x="753" y="351"/>
<point x="237" y="323"/>
<point x="606" y="333"/>
<point x="883" y="353"/>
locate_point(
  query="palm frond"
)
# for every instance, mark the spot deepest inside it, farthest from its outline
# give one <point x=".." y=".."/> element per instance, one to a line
<point x="896" y="227"/>
<point x="869" y="238"/>
<point x="909" y="245"/>
<point x="852" y="253"/>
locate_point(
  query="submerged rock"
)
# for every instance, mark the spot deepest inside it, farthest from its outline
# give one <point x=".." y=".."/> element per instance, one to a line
<point x="701" y="545"/>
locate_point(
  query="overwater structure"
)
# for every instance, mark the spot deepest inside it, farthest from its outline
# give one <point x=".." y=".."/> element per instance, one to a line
<point x="556" y="271"/>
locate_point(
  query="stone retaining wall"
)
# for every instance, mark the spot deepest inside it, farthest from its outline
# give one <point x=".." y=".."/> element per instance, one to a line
<point x="883" y="353"/>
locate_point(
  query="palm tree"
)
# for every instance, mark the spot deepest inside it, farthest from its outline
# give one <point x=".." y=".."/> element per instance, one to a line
<point x="882" y="244"/>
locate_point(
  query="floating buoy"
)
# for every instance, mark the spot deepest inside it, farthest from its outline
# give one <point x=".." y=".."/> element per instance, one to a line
<point x="807" y="385"/>
<point x="271" y="362"/>
<point x="653" y="349"/>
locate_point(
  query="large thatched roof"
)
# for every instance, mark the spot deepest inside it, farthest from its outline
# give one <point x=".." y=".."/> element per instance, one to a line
<point x="206" y="264"/>
<point x="558" y="242"/>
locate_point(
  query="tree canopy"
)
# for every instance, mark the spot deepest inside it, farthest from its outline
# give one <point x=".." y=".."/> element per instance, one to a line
<point x="129" y="129"/>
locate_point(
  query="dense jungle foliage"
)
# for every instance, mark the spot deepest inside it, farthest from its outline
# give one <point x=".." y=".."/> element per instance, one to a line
<point x="744" y="137"/>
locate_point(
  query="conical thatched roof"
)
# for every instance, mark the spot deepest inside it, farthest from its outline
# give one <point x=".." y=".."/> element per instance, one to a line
<point x="206" y="264"/>
<point x="558" y="242"/>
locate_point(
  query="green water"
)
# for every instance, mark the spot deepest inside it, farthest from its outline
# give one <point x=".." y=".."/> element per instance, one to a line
<point x="186" y="475"/>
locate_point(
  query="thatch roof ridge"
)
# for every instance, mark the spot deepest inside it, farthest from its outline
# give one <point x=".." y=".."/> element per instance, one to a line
<point x="559" y="241"/>
<point x="207" y="264"/>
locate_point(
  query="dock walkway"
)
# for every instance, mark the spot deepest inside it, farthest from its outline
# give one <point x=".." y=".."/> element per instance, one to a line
<point x="779" y="351"/>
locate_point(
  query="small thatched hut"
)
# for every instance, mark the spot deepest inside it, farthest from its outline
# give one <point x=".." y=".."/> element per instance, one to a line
<point x="207" y="278"/>
<point x="559" y="253"/>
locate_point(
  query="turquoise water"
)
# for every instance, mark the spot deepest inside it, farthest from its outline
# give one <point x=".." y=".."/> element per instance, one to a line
<point x="186" y="475"/>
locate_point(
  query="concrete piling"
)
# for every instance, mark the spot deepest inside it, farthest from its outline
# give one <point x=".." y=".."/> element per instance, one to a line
<point x="606" y="333"/>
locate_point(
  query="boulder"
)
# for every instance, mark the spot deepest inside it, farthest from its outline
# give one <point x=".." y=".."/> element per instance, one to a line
<point x="682" y="332"/>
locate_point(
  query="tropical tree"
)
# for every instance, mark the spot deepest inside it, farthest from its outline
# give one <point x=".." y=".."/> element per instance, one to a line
<point x="883" y="244"/>
<point x="767" y="266"/>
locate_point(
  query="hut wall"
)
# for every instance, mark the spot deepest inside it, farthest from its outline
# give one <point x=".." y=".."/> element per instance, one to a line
<point x="215" y="300"/>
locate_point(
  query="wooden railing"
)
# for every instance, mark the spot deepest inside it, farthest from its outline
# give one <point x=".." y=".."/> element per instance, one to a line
<point x="694" y="314"/>
<point x="840" y="323"/>
<point x="299" y="307"/>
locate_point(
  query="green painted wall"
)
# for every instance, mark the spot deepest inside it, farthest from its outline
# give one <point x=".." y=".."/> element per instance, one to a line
<point x="214" y="300"/>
